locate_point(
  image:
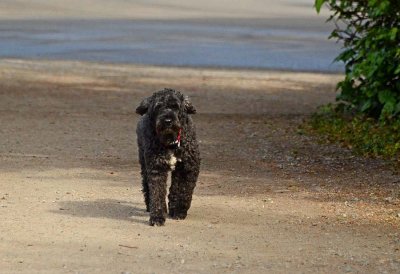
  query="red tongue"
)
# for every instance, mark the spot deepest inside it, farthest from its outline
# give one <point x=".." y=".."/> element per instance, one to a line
<point x="178" y="139"/>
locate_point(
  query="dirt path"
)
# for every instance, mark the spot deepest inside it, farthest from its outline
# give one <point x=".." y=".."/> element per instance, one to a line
<point x="269" y="199"/>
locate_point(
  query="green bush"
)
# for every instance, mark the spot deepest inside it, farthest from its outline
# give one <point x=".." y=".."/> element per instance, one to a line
<point x="365" y="136"/>
<point x="370" y="32"/>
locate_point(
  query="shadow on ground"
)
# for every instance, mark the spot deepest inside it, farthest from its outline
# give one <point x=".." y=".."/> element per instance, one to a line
<point x="104" y="208"/>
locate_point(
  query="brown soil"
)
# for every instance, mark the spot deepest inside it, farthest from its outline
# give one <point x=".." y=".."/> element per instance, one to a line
<point x="269" y="198"/>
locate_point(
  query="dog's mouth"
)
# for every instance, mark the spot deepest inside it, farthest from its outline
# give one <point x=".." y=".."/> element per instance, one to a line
<point x="168" y="131"/>
<point x="170" y="137"/>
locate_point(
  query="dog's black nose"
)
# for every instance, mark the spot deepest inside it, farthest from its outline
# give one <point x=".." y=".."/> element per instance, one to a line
<point x="168" y="121"/>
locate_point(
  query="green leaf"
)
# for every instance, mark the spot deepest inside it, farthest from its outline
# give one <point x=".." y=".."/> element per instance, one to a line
<point x="318" y="4"/>
<point x="393" y="33"/>
<point x="384" y="5"/>
<point x="345" y="55"/>
<point x="397" y="71"/>
<point x="366" y="105"/>
<point x="386" y="96"/>
<point x="388" y="108"/>
<point x="397" y="109"/>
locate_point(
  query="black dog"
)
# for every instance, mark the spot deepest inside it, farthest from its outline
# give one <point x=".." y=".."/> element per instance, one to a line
<point x="167" y="142"/>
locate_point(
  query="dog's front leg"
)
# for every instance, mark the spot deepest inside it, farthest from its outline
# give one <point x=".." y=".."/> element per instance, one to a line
<point x="157" y="181"/>
<point x="181" y="191"/>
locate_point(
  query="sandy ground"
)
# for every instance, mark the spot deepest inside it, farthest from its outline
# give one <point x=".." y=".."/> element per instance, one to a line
<point x="269" y="199"/>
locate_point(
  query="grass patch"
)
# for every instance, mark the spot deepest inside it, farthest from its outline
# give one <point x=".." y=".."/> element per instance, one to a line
<point x="365" y="136"/>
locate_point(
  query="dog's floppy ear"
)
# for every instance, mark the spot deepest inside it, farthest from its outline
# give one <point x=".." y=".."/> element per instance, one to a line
<point x="190" y="109"/>
<point x="144" y="105"/>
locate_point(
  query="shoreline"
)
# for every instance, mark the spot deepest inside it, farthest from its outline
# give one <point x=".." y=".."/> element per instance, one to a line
<point x="42" y="61"/>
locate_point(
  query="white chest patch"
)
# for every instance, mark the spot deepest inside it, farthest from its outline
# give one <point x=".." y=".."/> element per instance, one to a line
<point x="172" y="161"/>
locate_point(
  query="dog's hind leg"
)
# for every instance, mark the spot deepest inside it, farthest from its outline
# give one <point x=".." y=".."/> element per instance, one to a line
<point x="145" y="183"/>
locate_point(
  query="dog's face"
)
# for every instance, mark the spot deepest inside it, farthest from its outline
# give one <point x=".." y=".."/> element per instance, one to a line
<point x="167" y="110"/>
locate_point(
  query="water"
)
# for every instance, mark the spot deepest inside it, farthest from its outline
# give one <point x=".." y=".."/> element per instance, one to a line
<point x="248" y="44"/>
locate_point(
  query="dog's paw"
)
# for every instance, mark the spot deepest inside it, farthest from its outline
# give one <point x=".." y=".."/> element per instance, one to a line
<point x="177" y="215"/>
<point x="157" y="221"/>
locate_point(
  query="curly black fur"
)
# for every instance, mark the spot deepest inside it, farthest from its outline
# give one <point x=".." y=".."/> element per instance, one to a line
<point x="165" y="119"/>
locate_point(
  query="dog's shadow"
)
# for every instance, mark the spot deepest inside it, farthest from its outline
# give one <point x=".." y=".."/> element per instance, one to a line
<point x="104" y="208"/>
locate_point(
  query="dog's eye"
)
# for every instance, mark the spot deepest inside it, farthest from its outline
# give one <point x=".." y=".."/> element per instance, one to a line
<point x="174" y="106"/>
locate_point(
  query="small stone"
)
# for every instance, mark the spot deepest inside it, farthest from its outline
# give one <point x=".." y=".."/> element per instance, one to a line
<point x="348" y="269"/>
<point x="389" y="199"/>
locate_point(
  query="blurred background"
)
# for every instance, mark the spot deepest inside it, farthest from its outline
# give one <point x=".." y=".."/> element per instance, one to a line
<point x="252" y="34"/>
